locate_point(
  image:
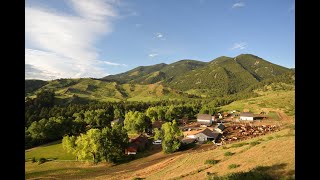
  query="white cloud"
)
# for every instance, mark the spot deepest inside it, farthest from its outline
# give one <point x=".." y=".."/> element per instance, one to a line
<point x="238" y="5"/>
<point x="241" y="45"/>
<point x="153" y="55"/>
<point x="63" y="44"/>
<point x="94" y="9"/>
<point x="160" y="36"/>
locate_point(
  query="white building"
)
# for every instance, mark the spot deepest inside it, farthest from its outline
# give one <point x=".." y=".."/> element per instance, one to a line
<point x="246" y="116"/>
<point x="204" y="119"/>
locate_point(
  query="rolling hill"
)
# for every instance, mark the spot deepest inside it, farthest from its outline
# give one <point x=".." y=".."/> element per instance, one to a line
<point x="182" y="79"/>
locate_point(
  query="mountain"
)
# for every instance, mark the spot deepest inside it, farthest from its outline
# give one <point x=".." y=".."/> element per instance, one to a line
<point x="156" y="73"/>
<point x="182" y="79"/>
<point x="226" y="75"/>
<point x="223" y="75"/>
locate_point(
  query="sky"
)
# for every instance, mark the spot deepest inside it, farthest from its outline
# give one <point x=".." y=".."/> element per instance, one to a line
<point x="96" y="38"/>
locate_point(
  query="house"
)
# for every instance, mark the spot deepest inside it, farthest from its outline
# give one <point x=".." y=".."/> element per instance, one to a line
<point x="136" y="144"/>
<point x="131" y="150"/>
<point x="203" y="135"/>
<point x="117" y="121"/>
<point x="246" y="116"/>
<point x="187" y="140"/>
<point x="204" y="119"/>
<point x="220" y="128"/>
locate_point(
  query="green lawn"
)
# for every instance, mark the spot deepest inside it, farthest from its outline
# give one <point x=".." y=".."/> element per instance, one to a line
<point x="51" y="151"/>
<point x="273" y="115"/>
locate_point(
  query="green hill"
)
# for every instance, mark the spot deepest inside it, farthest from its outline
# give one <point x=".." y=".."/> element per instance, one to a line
<point x="86" y="89"/>
<point x="32" y="85"/>
<point x="156" y="73"/>
<point x="185" y="78"/>
<point x="226" y="75"/>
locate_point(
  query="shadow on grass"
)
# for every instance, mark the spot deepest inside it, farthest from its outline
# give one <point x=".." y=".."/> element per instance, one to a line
<point x="58" y="172"/>
<point x="185" y="147"/>
<point x="51" y="143"/>
<point x="258" y="173"/>
<point x="148" y="152"/>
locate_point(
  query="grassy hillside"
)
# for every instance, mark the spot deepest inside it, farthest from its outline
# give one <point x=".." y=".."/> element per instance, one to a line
<point x="51" y="151"/>
<point x="272" y="154"/>
<point x="226" y="75"/>
<point x="86" y="89"/>
<point x="272" y="97"/>
<point x="222" y="76"/>
<point x="135" y="75"/>
<point x="156" y="73"/>
<point x="33" y="85"/>
<point x="259" y="67"/>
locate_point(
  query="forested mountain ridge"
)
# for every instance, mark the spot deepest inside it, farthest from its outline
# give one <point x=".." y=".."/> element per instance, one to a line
<point x="185" y="78"/>
<point x="156" y="73"/>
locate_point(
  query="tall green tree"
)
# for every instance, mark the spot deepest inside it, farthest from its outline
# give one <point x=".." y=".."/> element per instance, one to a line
<point x="89" y="145"/>
<point x="113" y="142"/>
<point x="135" y="122"/>
<point x="152" y="113"/>
<point x="69" y="144"/>
<point x="170" y="136"/>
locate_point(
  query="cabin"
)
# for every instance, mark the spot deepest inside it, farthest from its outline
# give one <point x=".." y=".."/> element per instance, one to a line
<point x="246" y="116"/>
<point x="136" y="144"/>
<point x="117" y="121"/>
<point x="203" y="135"/>
<point x="204" y="119"/>
<point x="131" y="150"/>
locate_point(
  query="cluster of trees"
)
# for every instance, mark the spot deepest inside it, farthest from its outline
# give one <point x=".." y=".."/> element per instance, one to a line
<point x="170" y="135"/>
<point x="106" y="144"/>
<point x="46" y="120"/>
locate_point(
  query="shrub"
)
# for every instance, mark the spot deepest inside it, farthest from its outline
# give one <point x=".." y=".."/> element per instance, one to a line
<point x="243" y="176"/>
<point x="211" y="161"/>
<point x="270" y="137"/>
<point x="239" y="144"/>
<point x="33" y="160"/>
<point x="228" y="153"/>
<point x="42" y="160"/>
<point x="254" y="143"/>
<point x="232" y="166"/>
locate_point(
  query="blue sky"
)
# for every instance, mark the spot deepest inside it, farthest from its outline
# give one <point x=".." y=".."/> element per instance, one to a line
<point x="81" y="38"/>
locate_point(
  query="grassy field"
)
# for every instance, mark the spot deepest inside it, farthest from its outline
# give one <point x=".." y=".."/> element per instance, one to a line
<point x="274" y="156"/>
<point x="49" y="151"/>
<point x="268" y="101"/>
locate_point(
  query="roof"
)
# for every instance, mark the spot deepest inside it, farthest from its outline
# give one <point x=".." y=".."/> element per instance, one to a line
<point x="139" y="140"/>
<point x="221" y="126"/>
<point x="186" y="133"/>
<point x="210" y="133"/>
<point x="204" y="116"/>
<point x="205" y="131"/>
<point x="188" y="140"/>
<point x="246" y="114"/>
<point x="132" y="149"/>
<point x="207" y="122"/>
